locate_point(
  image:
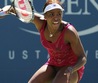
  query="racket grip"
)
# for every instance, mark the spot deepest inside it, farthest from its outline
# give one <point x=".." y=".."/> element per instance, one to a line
<point x="3" y="13"/>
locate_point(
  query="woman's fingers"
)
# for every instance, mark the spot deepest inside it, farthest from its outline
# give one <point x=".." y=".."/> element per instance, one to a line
<point x="68" y="77"/>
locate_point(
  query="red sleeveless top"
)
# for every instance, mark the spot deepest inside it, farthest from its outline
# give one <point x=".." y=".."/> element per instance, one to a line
<point x="61" y="53"/>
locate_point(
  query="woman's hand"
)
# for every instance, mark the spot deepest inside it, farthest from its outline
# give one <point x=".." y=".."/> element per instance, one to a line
<point x="68" y="72"/>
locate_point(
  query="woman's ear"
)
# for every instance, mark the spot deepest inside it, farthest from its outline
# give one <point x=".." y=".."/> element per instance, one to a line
<point x="45" y="17"/>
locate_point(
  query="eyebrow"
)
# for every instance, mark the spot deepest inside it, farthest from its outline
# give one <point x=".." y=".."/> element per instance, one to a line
<point x="56" y="11"/>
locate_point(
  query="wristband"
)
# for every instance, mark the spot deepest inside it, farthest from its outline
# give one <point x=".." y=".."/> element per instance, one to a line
<point x="70" y="69"/>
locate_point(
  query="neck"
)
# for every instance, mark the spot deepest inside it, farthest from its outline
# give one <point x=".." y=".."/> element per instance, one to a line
<point x="52" y="32"/>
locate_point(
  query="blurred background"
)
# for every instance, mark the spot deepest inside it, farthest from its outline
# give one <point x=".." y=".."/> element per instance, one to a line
<point x="21" y="52"/>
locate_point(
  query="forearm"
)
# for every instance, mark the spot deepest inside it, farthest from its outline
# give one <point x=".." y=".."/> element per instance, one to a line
<point x="81" y="62"/>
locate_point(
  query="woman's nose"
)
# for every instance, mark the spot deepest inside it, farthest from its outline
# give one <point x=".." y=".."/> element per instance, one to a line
<point x="55" y="18"/>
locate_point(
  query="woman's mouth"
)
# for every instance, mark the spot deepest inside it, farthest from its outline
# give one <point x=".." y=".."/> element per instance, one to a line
<point x="55" y="23"/>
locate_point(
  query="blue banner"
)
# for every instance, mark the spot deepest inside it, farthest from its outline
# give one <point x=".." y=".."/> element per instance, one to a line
<point x="21" y="52"/>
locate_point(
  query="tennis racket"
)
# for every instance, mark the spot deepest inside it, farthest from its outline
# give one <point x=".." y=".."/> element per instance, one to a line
<point x="21" y="9"/>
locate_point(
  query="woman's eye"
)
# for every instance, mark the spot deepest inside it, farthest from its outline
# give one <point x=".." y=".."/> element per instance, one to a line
<point x="54" y="14"/>
<point x="59" y="14"/>
<point x="51" y="15"/>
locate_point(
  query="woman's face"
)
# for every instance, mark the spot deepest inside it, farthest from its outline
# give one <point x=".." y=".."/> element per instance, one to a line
<point x="54" y="18"/>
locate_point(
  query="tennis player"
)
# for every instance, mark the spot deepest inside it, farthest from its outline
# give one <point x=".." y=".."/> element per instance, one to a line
<point x="60" y="38"/>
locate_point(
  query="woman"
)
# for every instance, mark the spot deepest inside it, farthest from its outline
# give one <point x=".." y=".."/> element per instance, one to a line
<point x="67" y="56"/>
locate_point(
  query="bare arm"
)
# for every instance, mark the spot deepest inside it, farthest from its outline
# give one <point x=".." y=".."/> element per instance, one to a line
<point x="77" y="47"/>
<point x="38" y="20"/>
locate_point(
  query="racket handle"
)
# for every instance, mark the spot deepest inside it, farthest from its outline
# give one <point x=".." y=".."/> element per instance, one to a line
<point x="3" y="13"/>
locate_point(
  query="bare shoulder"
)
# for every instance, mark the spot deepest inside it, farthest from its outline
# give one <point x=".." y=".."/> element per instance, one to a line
<point x="38" y="22"/>
<point x="71" y="30"/>
<point x="71" y="34"/>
